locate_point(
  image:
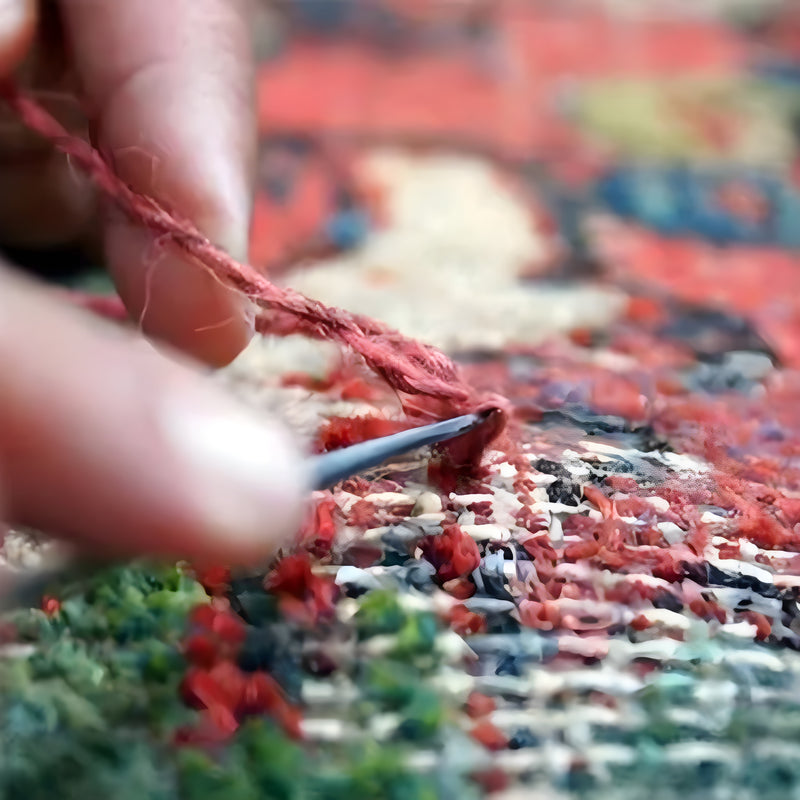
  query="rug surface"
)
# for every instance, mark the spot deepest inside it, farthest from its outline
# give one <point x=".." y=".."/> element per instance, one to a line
<point x="593" y="207"/>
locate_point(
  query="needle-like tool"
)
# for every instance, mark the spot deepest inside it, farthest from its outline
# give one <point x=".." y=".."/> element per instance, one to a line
<point x="330" y="468"/>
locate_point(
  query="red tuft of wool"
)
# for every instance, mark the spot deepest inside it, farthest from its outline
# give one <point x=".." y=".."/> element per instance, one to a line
<point x="646" y="309"/>
<point x="346" y="381"/>
<point x="707" y="609"/>
<point x="453" y="553"/>
<point x="579" y="550"/>
<point x="790" y="509"/>
<point x="303" y="595"/>
<point x="319" y="530"/>
<point x="225" y="694"/>
<point x="465" y="622"/>
<point x="203" y="616"/>
<point x="460" y="588"/>
<point x="530" y="520"/>
<point x="340" y="432"/>
<point x="489" y="735"/>
<point x="540" y="549"/>
<point x="225" y="625"/>
<point x="597" y="498"/>
<point x="363" y="514"/>
<point x="762" y="622"/>
<point x="479" y="705"/>
<point x="622" y="483"/>
<point x="292" y="575"/>
<point x="230" y="681"/>
<point x="217" y="635"/>
<point x="668" y="566"/>
<point x="260" y="695"/>
<point x="202" y="689"/>
<point x="229" y="627"/>
<point x="201" y="651"/>
<point x="481" y="509"/>
<point x="640" y="623"/>
<point x="215" y="580"/>
<point x="50" y="605"/>
<point x="544" y="616"/>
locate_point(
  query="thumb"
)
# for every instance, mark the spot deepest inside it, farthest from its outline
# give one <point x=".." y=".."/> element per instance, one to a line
<point x="107" y="443"/>
<point x="17" y="28"/>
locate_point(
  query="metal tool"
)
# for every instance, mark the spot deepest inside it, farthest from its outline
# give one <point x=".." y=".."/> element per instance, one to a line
<point x="330" y="468"/>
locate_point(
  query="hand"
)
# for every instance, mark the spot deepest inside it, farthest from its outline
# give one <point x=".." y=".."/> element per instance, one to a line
<point x="102" y="439"/>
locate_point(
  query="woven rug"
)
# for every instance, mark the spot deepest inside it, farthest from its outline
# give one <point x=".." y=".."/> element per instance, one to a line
<point x="592" y="207"/>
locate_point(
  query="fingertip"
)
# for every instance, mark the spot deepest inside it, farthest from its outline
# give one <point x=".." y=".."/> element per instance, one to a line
<point x="174" y="300"/>
<point x="248" y="479"/>
<point x="18" y="20"/>
<point x="105" y="443"/>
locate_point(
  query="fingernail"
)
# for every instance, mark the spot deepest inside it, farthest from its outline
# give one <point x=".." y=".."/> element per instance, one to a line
<point x="246" y="477"/>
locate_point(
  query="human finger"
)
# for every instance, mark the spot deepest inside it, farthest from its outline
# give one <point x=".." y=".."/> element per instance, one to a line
<point x="107" y="443"/>
<point x="168" y="88"/>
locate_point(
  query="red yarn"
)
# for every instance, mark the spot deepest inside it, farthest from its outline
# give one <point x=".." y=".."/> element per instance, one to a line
<point x="407" y="365"/>
<point x="453" y="553"/>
